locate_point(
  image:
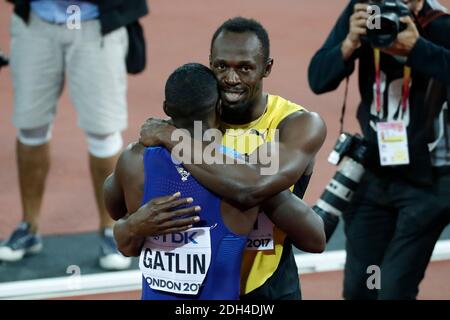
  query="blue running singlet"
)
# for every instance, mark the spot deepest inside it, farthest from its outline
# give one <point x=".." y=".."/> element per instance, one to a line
<point x="203" y="262"/>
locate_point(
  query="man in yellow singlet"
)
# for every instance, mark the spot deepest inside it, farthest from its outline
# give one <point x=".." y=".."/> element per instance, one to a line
<point x="254" y="122"/>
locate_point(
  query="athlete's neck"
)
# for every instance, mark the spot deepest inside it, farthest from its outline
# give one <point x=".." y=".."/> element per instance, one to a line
<point x="196" y="125"/>
<point x="246" y="113"/>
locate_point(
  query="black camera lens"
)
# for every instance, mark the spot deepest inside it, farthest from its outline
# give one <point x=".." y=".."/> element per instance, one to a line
<point x="389" y="24"/>
<point x="387" y="33"/>
<point x="352" y="150"/>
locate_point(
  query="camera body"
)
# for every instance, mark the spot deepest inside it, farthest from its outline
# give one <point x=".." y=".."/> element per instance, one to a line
<point x="351" y="151"/>
<point x="385" y="24"/>
<point x="347" y="145"/>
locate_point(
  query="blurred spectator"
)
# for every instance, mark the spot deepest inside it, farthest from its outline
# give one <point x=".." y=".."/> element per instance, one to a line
<point x="46" y="47"/>
<point x="393" y="215"/>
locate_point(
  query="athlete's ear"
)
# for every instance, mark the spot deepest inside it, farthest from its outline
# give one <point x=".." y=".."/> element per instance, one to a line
<point x="268" y="69"/>
<point x="219" y="107"/>
<point x="166" y="109"/>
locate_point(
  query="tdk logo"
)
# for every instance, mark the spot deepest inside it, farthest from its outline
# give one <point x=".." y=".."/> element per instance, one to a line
<point x="178" y="237"/>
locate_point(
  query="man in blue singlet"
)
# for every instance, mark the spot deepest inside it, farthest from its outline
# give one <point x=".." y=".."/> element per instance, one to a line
<point x="191" y="247"/>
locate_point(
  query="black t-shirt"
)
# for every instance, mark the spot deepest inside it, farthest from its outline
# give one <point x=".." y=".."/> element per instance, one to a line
<point x="428" y="59"/>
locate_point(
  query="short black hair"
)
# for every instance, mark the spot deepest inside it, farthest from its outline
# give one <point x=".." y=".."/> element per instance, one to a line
<point x="241" y="25"/>
<point x="191" y="89"/>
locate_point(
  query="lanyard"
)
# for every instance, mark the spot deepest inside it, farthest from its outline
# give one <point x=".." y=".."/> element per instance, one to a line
<point x="406" y="82"/>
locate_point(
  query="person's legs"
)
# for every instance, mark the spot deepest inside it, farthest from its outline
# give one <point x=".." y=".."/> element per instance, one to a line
<point x="96" y="74"/>
<point x="442" y="189"/>
<point x="369" y="226"/>
<point x="33" y="163"/>
<point x="100" y="169"/>
<point x="410" y="250"/>
<point x="405" y="263"/>
<point x="101" y="164"/>
<point x="97" y="78"/>
<point x="103" y="154"/>
<point x="420" y="223"/>
<point x="38" y="77"/>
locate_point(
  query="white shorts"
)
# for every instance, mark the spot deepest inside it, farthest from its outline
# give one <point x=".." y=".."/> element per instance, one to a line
<point x="43" y="54"/>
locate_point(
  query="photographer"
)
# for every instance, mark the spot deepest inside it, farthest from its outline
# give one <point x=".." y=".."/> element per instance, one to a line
<point x="391" y="222"/>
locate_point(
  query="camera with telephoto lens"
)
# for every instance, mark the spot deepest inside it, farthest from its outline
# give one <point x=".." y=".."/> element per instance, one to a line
<point x="384" y="25"/>
<point x="350" y="152"/>
<point x="3" y="60"/>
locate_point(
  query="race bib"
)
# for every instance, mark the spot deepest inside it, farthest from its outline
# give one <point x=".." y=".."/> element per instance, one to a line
<point x="261" y="237"/>
<point x="392" y="143"/>
<point x="177" y="262"/>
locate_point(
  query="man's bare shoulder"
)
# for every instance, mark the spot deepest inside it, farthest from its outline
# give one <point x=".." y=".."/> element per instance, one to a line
<point x="133" y="150"/>
<point x="303" y="117"/>
<point x="303" y="124"/>
<point x="131" y="159"/>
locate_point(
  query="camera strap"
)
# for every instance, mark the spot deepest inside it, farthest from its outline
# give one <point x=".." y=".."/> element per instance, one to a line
<point x="406" y="82"/>
<point x="344" y="106"/>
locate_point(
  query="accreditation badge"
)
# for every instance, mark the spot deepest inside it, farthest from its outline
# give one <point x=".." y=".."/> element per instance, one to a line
<point x="392" y="143"/>
<point x="177" y="262"/>
<point x="261" y="237"/>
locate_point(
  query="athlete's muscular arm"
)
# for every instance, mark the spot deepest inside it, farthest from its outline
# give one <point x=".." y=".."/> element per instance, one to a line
<point x="293" y="216"/>
<point x="123" y="193"/>
<point x="300" y="137"/>
<point x="123" y="188"/>
<point x="156" y="217"/>
<point x="114" y="198"/>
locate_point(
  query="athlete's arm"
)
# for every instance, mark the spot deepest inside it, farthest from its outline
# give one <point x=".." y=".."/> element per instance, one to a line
<point x="293" y="216"/>
<point x="156" y="217"/>
<point x="123" y="194"/>
<point x="300" y="137"/>
<point x="123" y="188"/>
<point x="114" y="198"/>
